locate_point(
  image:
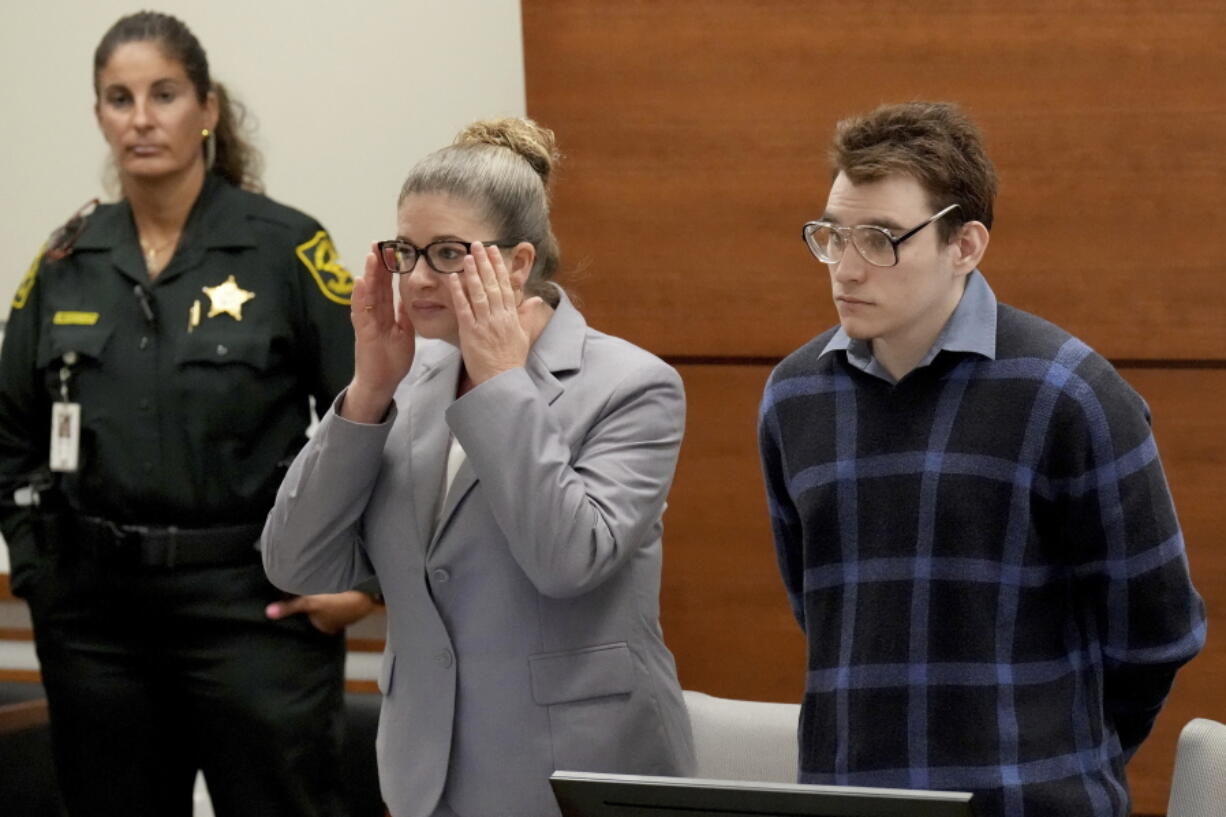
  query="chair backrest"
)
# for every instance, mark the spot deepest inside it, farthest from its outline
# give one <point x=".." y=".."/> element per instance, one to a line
<point x="744" y="740"/>
<point x="1199" y="786"/>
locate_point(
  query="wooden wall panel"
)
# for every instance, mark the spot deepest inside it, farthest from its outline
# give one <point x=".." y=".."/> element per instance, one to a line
<point x="1190" y="427"/>
<point x="696" y="134"/>
<point x="725" y="613"/>
<point x="726" y="617"/>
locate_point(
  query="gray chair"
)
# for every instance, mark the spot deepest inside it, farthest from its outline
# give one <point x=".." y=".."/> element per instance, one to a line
<point x="1198" y="788"/>
<point x="744" y="740"/>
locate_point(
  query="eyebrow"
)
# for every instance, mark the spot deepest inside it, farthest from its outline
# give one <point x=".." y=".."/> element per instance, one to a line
<point x="887" y="223"/>
<point x="123" y="86"/>
<point x="448" y="237"/>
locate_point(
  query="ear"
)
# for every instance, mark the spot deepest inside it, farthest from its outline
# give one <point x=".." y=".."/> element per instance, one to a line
<point x="523" y="256"/>
<point x="967" y="247"/>
<point x="212" y="111"/>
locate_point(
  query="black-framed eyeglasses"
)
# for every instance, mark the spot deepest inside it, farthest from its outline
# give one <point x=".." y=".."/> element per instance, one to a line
<point x="446" y="257"/>
<point x="876" y="245"/>
<point x="61" y="242"/>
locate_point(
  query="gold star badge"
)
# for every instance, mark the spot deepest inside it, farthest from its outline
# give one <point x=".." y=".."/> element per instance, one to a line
<point x="227" y="297"/>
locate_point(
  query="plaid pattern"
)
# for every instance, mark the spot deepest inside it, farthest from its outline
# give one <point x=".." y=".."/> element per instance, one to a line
<point x="987" y="565"/>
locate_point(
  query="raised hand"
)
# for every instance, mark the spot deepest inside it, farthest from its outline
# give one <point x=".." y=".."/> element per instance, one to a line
<point x="383" y="344"/>
<point x="496" y="332"/>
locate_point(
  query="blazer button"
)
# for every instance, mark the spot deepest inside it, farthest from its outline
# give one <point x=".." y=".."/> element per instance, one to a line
<point x="440" y="575"/>
<point x="444" y="658"/>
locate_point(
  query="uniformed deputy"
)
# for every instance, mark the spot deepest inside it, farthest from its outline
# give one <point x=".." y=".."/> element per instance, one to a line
<point x="154" y="383"/>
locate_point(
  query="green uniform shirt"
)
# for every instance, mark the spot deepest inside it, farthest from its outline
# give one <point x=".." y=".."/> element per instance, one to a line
<point x="193" y="386"/>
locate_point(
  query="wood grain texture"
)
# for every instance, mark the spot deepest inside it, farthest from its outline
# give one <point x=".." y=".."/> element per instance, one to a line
<point x="1190" y="427"/>
<point x="725" y="614"/>
<point x="18" y="717"/>
<point x="724" y="610"/>
<point x="23" y="675"/>
<point x="696" y="136"/>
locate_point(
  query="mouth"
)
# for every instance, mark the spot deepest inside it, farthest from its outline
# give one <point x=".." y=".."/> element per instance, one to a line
<point x="845" y="299"/>
<point x="144" y="150"/>
<point x="426" y="306"/>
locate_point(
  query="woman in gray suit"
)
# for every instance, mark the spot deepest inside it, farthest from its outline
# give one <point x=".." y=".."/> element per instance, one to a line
<point x="502" y="469"/>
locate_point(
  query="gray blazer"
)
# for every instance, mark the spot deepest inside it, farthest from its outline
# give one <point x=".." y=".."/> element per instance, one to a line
<point x="523" y="628"/>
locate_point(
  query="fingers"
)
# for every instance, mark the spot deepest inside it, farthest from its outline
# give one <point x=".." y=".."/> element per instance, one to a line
<point x="363" y="291"/>
<point x="495" y="281"/>
<point x="529" y="305"/>
<point x="533" y="314"/>
<point x="372" y="293"/>
<point x="479" y="295"/>
<point x="502" y="276"/>
<point x="384" y="283"/>
<point x="403" y="318"/>
<point x="493" y="338"/>
<point x="459" y="299"/>
<point x="289" y="607"/>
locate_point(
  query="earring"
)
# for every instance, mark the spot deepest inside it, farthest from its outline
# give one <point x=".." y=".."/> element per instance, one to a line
<point x="210" y="148"/>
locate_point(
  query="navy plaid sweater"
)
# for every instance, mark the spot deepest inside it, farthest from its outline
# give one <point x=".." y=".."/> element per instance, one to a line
<point x="986" y="562"/>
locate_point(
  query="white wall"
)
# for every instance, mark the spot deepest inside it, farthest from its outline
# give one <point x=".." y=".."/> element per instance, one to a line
<point x="346" y="96"/>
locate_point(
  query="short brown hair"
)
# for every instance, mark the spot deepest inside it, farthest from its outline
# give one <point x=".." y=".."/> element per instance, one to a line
<point x="934" y="143"/>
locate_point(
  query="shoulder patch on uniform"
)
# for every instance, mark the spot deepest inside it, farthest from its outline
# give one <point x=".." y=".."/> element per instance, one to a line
<point x="69" y="318"/>
<point x="320" y="257"/>
<point x="27" y="282"/>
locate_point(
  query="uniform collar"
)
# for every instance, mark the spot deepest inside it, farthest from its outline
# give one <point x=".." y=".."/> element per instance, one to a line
<point x="218" y="218"/>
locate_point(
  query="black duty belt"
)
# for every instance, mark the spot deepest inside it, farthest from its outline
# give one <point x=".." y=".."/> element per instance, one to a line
<point x="167" y="547"/>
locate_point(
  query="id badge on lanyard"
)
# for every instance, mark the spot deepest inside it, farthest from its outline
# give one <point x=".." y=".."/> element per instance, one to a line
<point x="65" y="423"/>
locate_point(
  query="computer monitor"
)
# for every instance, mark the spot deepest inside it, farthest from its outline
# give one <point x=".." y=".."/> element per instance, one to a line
<point x="584" y="794"/>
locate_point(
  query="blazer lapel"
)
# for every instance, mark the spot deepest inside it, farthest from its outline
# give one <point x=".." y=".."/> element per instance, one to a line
<point x="557" y="351"/>
<point x="465" y="479"/>
<point x="427" y="398"/>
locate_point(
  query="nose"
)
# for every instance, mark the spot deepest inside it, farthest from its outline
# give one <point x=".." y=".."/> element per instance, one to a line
<point x="140" y="113"/>
<point x="850" y="269"/>
<point x="421" y="276"/>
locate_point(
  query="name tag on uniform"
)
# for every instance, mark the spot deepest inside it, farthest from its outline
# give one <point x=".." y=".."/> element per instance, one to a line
<point x="65" y="436"/>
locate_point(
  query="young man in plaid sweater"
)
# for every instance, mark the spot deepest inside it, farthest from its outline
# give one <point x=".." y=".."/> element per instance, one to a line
<point x="971" y="519"/>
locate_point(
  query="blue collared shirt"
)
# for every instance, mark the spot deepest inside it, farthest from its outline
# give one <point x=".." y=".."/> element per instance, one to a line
<point x="971" y="328"/>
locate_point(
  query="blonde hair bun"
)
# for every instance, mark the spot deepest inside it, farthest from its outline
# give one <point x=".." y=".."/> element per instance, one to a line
<point x="535" y="143"/>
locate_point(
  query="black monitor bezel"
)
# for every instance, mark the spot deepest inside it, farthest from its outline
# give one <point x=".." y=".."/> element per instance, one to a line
<point x="588" y="794"/>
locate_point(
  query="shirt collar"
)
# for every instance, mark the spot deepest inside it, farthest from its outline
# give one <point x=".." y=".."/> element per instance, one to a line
<point x="970" y="329"/>
<point x="218" y="218"/>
